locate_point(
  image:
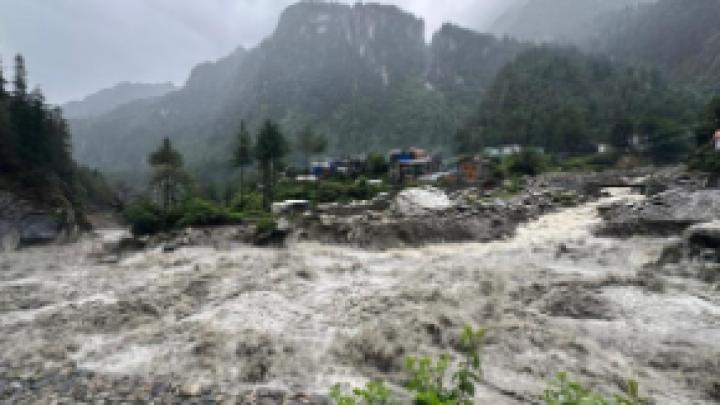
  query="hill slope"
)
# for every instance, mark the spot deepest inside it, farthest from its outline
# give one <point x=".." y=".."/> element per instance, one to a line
<point x="106" y="100"/>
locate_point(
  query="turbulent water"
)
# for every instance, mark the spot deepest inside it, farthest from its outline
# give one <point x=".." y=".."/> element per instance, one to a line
<point x="304" y="318"/>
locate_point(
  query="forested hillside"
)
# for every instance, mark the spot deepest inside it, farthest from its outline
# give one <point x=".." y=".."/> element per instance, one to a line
<point x="565" y="101"/>
<point x="568" y="21"/>
<point x="35" y="153"/>
<point x="679" y="37"/>
<point x="362" y="75"/>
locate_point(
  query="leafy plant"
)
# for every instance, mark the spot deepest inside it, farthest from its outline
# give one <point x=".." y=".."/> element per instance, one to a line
<point x="426" y="378"/>
<point x="567" y="392"/>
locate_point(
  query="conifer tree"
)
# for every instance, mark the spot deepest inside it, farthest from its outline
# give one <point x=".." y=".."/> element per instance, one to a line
<point x="3" y="93"/>
<point x="20" y="76"/>
<point x="169" y="177"/>
<point x="243" y="157"/>
<point x="270" y="148"/>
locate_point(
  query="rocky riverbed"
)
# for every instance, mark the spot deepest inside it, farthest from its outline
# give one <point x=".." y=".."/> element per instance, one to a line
<point x="238" y="324"/>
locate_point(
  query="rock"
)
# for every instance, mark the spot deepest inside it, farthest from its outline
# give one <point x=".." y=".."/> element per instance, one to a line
<point x="23" y="222"/>
<point x="191" y="390"/>
<point x="420" y="201"/>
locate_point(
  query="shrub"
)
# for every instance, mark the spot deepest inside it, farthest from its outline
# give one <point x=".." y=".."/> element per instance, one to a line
<point x="566" y="392"/>
<point x="144" y="217"/>
<point x="265" y="225"/>
<point x="198" y="212"/>
<point x="426" y="378"/>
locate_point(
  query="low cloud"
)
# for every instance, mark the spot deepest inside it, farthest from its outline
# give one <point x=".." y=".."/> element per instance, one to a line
<point x="74" y="47"/>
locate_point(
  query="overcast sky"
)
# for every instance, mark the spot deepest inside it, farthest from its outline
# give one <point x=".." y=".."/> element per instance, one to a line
<point x="75" y="47"/>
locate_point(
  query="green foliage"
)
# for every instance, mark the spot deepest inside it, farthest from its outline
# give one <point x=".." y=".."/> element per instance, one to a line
<point x="169" y="178"/>
<point x="529" y="162"/>
<point x="198" y="212"/>
<point x="243" y="153"/>
<point x="144" y="217"/>
<point x="332" y="190"/>
<point x="567" y="102"/>
<point x="705" y="158"/>
<point x="567" y="392"/>
<point x="377" y="164"/>
<point x="426" y="378"/>
<point x="265" y="225"/>
<point x="270" y="148"/>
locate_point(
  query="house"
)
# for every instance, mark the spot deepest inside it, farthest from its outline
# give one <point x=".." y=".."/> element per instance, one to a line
<point x="716" y="140"/>
<point x="410" y="164"/>
<point x="474" y="169"/>
<point x="503" y="150"/>
<point x="322" y="169"/>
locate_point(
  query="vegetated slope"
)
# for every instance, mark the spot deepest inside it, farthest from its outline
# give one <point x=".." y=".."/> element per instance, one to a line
<point x="363" y="75"/>
<point x="557" y="20"/>
<point x="565" y="101"/>
<point x="681" y="38"/>
<point x="108" y="99"/>
<point x="38" y="177"/>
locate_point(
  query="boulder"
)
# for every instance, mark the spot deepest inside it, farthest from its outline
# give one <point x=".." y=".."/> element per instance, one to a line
<point x="420" y="201"/>
<point x="23" y="222"/>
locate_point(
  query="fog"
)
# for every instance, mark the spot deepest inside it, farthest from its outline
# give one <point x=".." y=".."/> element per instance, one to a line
<point x="86" y="45"/>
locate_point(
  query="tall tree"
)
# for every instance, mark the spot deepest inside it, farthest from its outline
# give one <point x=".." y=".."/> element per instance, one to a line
<point x="270" y="148"/>
<point x="20" y="82"/>
<point x="311" y="143"/>
<point x="243" y="157"/>
<point x="169" y="176"/>
<point x="3" y="93"/>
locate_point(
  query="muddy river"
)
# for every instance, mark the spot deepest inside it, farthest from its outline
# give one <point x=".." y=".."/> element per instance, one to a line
<point x="303" y="318"/>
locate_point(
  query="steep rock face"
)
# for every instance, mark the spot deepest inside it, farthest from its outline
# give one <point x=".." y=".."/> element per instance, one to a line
<point x="464" y="63"/>
<point x="358" y="73"/>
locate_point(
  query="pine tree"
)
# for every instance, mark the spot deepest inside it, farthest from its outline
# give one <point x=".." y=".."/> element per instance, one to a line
<point x="270" y="148"/>
<point x="20" y="76"/>
<point x="169" y="176"/>
<point x="3" y="93"/>
<point x="243" y="157"/>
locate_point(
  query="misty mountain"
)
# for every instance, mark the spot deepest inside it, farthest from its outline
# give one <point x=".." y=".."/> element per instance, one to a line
<point x="568" y="21"/>
<point x="567" y="101"/>
<point x="680" y="38"/>
<point x="362" y="74"/>
<point x="107" y="100"/>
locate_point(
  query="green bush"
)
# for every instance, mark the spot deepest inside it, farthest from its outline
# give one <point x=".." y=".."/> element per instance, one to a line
<point x="529" y="162"/>
<point x="265" y="225"/>
<point x="566" y="392"/>
<point x="426" y="383"/>
<point x="198" y="212"/>
<point x="426" y="378"/>
<point x="144" y="217"/>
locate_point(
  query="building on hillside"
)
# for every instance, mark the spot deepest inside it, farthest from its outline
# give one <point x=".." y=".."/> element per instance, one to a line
<point x="410" y="164"/>
<point x="503" y="150"/>
<point x="322" y="169"/>
<point x="716" y="140"/>
<point x="352" y="167"/>
<point x="474" y="170"/>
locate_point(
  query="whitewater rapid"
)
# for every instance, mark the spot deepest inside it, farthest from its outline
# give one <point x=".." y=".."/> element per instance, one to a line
<point x="553" y="297"/>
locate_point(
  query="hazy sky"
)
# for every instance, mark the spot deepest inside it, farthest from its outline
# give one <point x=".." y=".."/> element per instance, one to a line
<point x="75" y="47"/>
